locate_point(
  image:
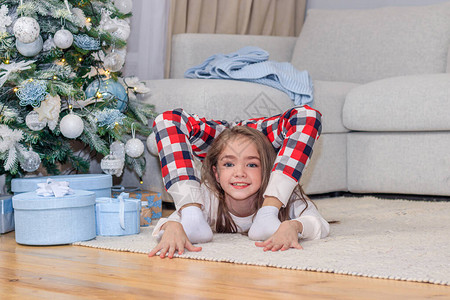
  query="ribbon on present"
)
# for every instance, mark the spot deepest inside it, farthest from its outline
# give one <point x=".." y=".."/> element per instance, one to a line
<point x="153" y="203"/>
<point x="122" y="208"/>
<point x="54" y="188"/>
<point x="157" y="215"/>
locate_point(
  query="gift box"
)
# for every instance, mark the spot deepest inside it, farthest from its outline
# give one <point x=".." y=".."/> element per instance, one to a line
<point x="98" y="183"/>
<point x="151" y="203"/>
<point x="117" y="216"/>
<point x="6" y="214"/>
<point x="51" y="220"/>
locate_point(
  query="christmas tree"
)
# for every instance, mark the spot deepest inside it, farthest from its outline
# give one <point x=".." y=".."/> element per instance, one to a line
<point x="60" y="84"/>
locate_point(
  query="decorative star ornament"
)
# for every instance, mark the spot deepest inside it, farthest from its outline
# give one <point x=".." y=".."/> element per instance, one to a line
<point x="49" y="109"/>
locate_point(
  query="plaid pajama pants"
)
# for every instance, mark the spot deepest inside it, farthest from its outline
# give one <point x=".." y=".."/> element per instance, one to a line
<point x="181" y="136"/>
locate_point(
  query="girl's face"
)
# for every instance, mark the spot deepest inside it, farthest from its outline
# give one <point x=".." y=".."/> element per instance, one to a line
<point x="238" y="171"/>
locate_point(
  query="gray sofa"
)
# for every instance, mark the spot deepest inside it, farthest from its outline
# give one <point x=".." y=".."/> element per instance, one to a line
<point x="381" y="80"/>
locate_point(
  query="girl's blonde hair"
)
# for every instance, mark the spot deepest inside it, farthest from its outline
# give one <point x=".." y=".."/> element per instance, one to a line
<point x="267" y="155"/>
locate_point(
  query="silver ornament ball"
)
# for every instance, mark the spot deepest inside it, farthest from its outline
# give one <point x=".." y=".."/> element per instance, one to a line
<point x="113" y="62"/>
<point x="134" y="148"/>
<point x="31" y="161"/>
<point x="152" y="145"/>
<point x="71" y="126"/>
<point x="32" y="121"/>
<point x="26" y="29"/>
<point x="123" y="29"/>
<point x="30" y="49"/>
<point x="112" y="165"/>
<point x="124" y="6"/>
<point x="63" y="39"/>
<point x="118" y="149"/>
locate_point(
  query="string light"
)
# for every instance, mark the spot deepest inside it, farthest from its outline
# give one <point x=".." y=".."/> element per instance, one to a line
<point x="55" y="77"/>
<point x="15" y="89"/>
<point x="70" y="106"/>
<point x="99" y="95"/>
<point x="63" y="60"/>
<point x="7" y="61"/>
<point x="80" y="59"/>
<point x="88" y="20"/>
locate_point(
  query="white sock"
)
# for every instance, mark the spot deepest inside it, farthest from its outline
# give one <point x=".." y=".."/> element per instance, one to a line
<point x="265" y="223"/>
<point x="195" y="225"/>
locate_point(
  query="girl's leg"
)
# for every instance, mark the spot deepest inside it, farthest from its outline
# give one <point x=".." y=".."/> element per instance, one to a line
<point x="179" y="137"/>
<point x="294" y="134"/>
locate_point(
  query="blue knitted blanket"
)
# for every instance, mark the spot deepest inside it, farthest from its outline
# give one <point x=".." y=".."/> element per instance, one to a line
<point x="251" y="64"/>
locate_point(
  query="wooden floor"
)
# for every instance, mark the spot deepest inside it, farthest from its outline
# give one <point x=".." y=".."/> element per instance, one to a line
<point x="73" y="272"/>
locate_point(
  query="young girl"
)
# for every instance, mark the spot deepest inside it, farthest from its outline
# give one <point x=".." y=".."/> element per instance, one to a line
<point x="235" y="174"/>
<point x="181" y="136"/>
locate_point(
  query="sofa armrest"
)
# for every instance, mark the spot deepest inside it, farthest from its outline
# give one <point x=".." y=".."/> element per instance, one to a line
<point x="191" y="49"/>
<point x="404" y="103"/>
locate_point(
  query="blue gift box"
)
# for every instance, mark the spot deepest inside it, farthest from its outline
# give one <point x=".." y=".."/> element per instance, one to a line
<point x="151" y="203"/>
<point x="98" y="183"/>
<point x="117" y="216"/>
<point x="50" y="220"/>
<point x="6" y="214"/>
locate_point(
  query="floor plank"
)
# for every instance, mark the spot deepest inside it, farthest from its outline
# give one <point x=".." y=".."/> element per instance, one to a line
<point x="72" y="272"/>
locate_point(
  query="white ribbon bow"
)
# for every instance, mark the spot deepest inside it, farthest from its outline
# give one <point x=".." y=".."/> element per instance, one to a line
<point x="54" y="188"/>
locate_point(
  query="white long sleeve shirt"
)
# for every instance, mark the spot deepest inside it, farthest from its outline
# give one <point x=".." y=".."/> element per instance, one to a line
<point x="314" y="225"/>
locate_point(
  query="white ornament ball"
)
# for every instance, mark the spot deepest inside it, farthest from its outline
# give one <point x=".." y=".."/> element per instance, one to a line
<point x="113" y="62"/>
<point x="31" y="161"/>
<point x="112" y="165"/>
<point x="124" y="6"/>
<point x="134" y="148"/>
<point x="123" y="29"/>
<point x="26" y="29"/>
<point x="30" y="49"/>
<point x="118" y="149"/>
<point x="152" y="145"/>
<point x="63" y="39"/>
<point x="32" y="121"/>
<point x="71" y="126"/>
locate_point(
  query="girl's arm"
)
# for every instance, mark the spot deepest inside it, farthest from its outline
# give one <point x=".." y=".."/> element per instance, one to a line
<point x="314" y="226"/>
<point x="309" y="225"/>
<point x="158" y="230"/>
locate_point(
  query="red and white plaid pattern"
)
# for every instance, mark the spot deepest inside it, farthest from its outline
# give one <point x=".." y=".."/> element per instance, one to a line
<point x="180" y="136"/>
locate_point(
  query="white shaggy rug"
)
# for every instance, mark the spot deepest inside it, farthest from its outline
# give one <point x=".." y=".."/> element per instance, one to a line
<point x="392" y="239"/>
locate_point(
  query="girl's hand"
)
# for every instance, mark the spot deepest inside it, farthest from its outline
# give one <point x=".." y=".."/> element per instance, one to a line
<point x="284" y="238"/>
<point x="174" y="239"/>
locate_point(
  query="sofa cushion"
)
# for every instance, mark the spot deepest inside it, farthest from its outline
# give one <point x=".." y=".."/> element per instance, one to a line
<point x="405" y="103"/>
<point x="366" y="45"/>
